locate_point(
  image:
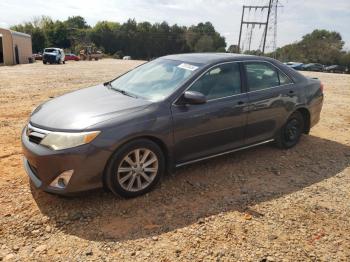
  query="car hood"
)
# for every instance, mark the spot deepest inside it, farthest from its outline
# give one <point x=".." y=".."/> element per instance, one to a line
<point x="83" y="108"/>
<point x="50" y="53"/>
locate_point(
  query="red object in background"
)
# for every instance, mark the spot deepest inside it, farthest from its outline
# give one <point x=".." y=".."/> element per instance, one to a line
<point x="38" y="56"/>
<point x="71" y="57"/>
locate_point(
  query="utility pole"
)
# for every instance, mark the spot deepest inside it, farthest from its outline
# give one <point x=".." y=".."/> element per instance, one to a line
<point x="267" y="26"/>
<point x="251" y="24"/>
<point x="250" y="37"/>
<point x="274" y="44"/>
<point x="240" y="31"/>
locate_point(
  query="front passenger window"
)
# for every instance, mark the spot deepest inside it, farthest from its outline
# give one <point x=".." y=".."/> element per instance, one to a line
<point x="221" y="81"/>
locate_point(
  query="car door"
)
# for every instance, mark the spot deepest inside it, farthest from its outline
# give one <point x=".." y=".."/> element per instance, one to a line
<point x="217" y="125"/>
<point x="272" y="96"/>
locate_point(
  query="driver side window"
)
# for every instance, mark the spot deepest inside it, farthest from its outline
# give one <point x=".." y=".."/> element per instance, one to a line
<point x="221" y="81"/>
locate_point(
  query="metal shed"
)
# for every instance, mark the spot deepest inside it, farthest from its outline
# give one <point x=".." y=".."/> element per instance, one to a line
<point x="15" y="47"/>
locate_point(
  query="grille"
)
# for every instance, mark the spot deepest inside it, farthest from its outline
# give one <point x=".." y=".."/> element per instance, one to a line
<point x="50" y="58"/>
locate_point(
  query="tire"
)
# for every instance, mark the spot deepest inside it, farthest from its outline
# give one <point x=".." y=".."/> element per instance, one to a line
<point x="127" y="181"/>
<point x="44" y="62"/>
<point x="64" y="62"/>
<point x="289" y="135"/>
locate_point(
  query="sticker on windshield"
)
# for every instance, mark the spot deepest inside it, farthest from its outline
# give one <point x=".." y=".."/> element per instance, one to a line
<point x="188" y="67"/>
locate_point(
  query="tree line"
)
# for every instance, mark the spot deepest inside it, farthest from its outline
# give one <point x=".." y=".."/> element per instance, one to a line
<point x="320" y="46"/>
<point x="144" y="40"/>
<point x="139" y="40"/>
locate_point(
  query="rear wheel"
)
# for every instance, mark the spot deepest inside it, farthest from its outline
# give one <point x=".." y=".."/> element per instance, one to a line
<point x="289" y="135"/>
<point x="135" y="168"/>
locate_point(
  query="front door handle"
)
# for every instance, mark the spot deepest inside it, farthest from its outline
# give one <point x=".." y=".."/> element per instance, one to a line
<point x="240" y="103"/>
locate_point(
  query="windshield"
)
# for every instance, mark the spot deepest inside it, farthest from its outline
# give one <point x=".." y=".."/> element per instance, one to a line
<point x="155" y="80"/>
<point x="50" y="50"/>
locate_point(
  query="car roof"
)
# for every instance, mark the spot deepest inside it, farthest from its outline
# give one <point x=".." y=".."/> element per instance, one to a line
<point x="209" y="58"/>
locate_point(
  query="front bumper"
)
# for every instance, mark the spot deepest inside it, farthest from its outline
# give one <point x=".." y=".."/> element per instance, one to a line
<point x="50" y="58"/>
<point x="44" y="165"/>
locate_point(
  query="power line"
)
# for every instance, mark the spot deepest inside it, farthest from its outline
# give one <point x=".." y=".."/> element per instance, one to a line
<point x="269" y="24"/>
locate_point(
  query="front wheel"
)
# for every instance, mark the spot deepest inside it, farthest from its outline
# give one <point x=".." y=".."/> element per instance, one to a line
<point x="289" y="135"/>
<point x="135" y="168"/>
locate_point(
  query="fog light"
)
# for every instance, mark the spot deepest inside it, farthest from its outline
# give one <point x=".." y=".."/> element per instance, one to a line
<point x="62" y="180"/>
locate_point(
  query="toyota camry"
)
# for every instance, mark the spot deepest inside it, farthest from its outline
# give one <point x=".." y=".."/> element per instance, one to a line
<point x="173" y="111"/>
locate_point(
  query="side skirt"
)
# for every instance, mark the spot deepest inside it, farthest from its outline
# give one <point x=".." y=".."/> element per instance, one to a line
<point x="224" y="153"/>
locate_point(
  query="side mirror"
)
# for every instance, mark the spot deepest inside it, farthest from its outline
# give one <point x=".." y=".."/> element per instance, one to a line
<point x="194" y="98"/>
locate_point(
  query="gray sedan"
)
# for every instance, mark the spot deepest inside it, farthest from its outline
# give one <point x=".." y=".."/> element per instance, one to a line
<point x="173" y="111"/>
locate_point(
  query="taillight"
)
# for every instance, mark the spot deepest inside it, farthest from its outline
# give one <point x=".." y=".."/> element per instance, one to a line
<point x="321" y="87"/>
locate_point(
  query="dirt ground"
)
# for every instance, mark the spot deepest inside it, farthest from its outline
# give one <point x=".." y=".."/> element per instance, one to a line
<point x="262" y="204"/>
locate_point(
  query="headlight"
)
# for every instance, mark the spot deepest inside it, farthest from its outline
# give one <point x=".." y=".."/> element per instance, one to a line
<point x="62" y="140"/>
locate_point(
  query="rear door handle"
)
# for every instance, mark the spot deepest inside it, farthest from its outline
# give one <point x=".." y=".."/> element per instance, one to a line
<point x="240" y="103"/>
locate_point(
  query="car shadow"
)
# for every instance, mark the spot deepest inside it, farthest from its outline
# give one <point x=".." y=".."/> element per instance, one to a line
<point x="233" y="182"/>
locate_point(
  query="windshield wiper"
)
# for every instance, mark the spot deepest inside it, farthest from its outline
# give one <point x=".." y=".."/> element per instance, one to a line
<point x="126" y="93"/>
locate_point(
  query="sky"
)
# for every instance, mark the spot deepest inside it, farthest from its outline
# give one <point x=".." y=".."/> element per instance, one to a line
<point x="295" y="17"/>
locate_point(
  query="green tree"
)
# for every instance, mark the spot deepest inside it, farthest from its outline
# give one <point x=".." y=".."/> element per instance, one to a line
<point x="204" y="44"/>
<point x="139" y="40"/>
<point x="320" y="46"/>
<point x="204" y="38"/>
<point x="233" y="49"/>
<point x="345" y="59"/>
<point x="77" y="22"/>
<point x="38" y="40"/>
<point x="107" y="36"/>
<point x="57" y="34"/>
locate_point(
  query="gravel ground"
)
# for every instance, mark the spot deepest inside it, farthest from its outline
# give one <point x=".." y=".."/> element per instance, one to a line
<point x="262" y="204"/>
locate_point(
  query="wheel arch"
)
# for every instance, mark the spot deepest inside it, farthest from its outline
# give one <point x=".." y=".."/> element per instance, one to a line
<point x="306" y="116"/>
<point x="154" y="139"/>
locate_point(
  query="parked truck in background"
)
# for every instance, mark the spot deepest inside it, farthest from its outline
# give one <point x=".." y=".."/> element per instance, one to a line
<point x="53" y="55"/>
<point x="90" y="53"/>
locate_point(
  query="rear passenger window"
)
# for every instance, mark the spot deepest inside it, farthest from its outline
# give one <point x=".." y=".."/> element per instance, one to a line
<point x="221" y="81"/>
<point x="284" y="80"/>
<point x="262" y="75"/>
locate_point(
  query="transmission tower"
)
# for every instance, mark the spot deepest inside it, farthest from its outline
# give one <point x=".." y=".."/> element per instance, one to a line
<point x="268" y="23"/>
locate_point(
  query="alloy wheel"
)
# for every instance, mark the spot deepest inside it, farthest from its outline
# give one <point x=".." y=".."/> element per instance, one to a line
<point x="137" y="170"/>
